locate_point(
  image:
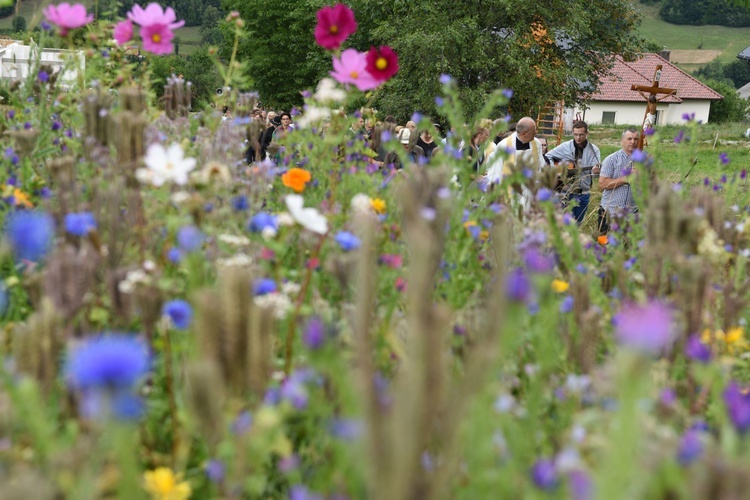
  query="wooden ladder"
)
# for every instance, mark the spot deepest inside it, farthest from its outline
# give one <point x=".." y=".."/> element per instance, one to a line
<point x="549" y="121"/>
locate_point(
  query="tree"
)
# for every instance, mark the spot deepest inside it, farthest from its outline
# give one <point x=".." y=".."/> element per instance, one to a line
<point x="201" y="71"/>
<point x="280" y="48"/>
<point x="732" y="108"/>
<point x="544" y="54"/>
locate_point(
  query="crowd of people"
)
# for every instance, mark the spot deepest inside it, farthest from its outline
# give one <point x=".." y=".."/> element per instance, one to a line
<point x="492" y="158"/>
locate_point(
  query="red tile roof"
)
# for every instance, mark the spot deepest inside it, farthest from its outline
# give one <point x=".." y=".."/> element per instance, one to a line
<point x="641" y="72"/>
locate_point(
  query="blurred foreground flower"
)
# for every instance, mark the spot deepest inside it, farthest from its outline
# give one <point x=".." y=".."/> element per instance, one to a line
<point x="80" y="224"/>
<point x="123" y="32"/>
<point x="163" y="484"/>
<point x="382" y="63"/>
<point x="106" y="369"/>
<point x="67" y="17"/>
<point x="30" y="234"/>
<point x="347" y="241"/>
<point x="309" y="218"/>
<point x="645" y="327"/>
<point x="157" y="25"/>
<point x="544" y="475"/>
<point x="351" y="68"/>
<point x="738" y="407"/>
<point x="180" y="312"/>
<point x="165" y="165"/>
<point x="296" y="178"/>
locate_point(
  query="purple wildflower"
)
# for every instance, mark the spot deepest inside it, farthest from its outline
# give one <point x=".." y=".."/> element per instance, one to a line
<point x="690" y="448"/>
<point x="347" y="241"/>
<point x="518" y="286"/>
<point x="507" y="93"/>
<point x="697" y="350"/>
<point x="639" y="156"/>
<point x="567" y="304"/>
<point x="645" y="327"/>
<point x="724" y="158"/>
<point x="180" y="312"/>
<point x="738" y="407"/>
<point x="314" y="335"/>
<point x="544" y="194"/>
<point x="445" y="79"/>
<point x="679" y="137"/>
<point x="544" y="475"/>
<point x="688" y="117"/>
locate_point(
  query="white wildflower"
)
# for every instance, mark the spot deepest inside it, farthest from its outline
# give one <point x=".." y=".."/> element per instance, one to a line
<point x="309" y="218"/>
<point x="233" y="240"/>
<point x="290" y="288"/>
<point x="268" y="233"/>
<point x="180" y="197"/>
<point x="278" y="302"/>
<point x="361" y="203"/>
<point x="165" y="165"/>
<point x="328" y="92"/>
<point x="238" y="260"/>
<point x="284" y="219"/>
<point x="213" y="172"/>
<point x="313" y="115"/>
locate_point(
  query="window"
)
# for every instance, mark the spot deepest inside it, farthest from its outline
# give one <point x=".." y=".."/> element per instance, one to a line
<point x="608" y="117"/>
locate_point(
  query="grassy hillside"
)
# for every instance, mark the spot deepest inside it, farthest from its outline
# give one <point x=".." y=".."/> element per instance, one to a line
<point x="730" y="41"/>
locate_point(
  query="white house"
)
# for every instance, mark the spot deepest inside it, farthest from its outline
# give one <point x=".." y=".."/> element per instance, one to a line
<point x="616" y="104"/>
<point x="18" y="60"/>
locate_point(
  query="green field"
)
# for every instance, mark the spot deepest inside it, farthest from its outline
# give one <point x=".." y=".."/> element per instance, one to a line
<point x="731" y="41"/>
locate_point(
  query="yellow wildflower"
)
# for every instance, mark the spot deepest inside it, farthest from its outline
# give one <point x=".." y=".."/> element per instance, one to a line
<point x="560" y="286"/>
<point x="734" y="335"/>
<point x="22" y="198"/>
<point x="163" y="484"/>
<point x="378" y="205"/>
<point x="706" y="336"/>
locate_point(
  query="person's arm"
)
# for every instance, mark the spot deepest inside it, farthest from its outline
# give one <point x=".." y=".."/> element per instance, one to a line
<point x="606" y="183"/>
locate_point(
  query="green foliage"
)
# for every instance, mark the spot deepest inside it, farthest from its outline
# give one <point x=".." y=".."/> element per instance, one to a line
<point x="280" y="48"/>
<point x="736" y="72"/>
<point x="732" y="108"/>
<point x="705" y="12"/>
<point x="19" y="24"/>
<point x="483" y="45"/>
<point x="200" y="69"/>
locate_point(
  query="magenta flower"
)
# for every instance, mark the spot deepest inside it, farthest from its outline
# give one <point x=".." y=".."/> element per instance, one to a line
<point x="645" y="327"/>
<point x="157" y="38"/>
<point x="154" y="14"/>
<point x="382" y="63"/>
<point x="351" y="68"/>
<point x="123" y="32"/>
<point x="335" y="24"/>
<point x="67" y="17"/>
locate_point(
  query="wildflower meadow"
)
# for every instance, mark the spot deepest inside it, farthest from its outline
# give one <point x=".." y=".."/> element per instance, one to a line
<point x="179" y="322"/>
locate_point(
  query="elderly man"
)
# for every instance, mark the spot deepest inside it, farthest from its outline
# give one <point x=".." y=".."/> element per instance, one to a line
<point x="614" y="181"/>
<point x="522" y="148"/>
<point x="582" y="160"/>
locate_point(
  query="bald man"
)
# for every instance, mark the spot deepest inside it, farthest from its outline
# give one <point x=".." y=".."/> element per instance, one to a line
<point x="523" y="148"/>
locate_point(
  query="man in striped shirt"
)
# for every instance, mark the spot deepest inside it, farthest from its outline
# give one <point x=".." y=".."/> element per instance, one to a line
<point x="614" y="180"/>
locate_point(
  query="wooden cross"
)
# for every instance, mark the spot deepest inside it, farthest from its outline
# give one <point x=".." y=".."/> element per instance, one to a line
<point x="653" y="97"/>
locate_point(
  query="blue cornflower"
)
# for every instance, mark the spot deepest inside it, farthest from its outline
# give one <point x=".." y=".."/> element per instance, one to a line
<point x="347" y="241"/>
<point x="56" y="125"/>
<point x="262" y="220"/>
<point x="80" y="224"/>
<point x="724" y="159"/>
<point x="240" y="203"/>
<point x="174" y="255"/>
<point x="30" y="234"/>
<point x="43" y="76"/>
<point x="189" y="238"/>
<point x="107" y="362"/>
<point x="180" y="312"/>
<point x="264" y="286"/>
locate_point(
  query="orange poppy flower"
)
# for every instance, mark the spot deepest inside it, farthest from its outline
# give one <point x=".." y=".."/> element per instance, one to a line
<point x="603" y="240"/>
<point x="296" y="178"/>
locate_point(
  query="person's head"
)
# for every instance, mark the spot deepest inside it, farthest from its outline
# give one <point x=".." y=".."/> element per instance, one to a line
<point x="286" y="119"/>
<point x="358" y="123"/>
<point x="526" y="129"/>
<point x="411" y="126"/>
<point x="426" y="135"/>
<point x="479" y="135"/>
<point x="580" y="132"/>
<point x="629" y="140"/>
<point x="545" y="146"/>
<point x="390" y="119"/>
<point x="271" y="116"/>
<point x="404" y="137"/>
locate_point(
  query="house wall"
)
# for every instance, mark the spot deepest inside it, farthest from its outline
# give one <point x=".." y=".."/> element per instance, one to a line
<point x="632" y="113"/>
<point x="16" y="61"/>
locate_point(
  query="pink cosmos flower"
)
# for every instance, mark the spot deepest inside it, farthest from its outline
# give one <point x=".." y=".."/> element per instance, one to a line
<point x="154" y="14"/>
<point x="335" y="24"/>
<point x="157" y="38"/>
<point x="67" y="17"/>
<point x="350" y="68"/>
<point x="123" y="32"/>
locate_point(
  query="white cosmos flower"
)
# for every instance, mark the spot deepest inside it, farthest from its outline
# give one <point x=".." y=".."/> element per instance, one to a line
<point x="327" y="92"/>
<point x="309" y="218"/>
<point x="312" y="115"/>
<point x="165" y="165"/>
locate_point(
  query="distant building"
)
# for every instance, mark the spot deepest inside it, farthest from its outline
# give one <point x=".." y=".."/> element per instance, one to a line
<point x="18" y="60"/>
<point x="616" y="104"/>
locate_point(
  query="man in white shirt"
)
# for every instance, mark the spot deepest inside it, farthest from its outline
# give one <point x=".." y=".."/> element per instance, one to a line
<point x="523" y="148"/>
